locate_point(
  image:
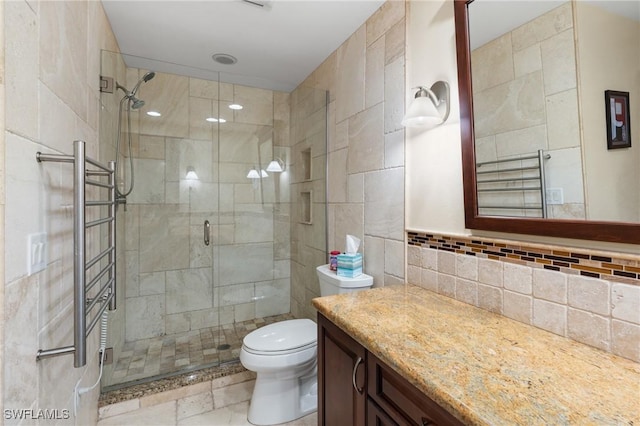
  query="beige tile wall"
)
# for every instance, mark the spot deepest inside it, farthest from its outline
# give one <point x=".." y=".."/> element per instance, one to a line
<point x="365" y="80"/>
<point x="51" y="71"/>
<point x="307" y="238"/>
<point x="598" y="312"/>
<point x="525" y="99"/>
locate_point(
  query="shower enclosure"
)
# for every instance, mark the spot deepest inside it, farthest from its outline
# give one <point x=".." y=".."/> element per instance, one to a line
<point x="204" y="238"/>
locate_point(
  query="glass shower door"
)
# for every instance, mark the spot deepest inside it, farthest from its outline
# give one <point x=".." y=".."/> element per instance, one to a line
<point x="186" y="305"/>
<point x="168" y="319"/>
<point x="251" y="254"/>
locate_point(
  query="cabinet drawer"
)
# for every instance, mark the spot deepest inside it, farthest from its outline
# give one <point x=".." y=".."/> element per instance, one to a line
<point x="397" y="397"/>
<point x="377" y="417"/>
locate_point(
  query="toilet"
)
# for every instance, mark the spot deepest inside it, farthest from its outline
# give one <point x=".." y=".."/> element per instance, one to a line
<point x="283" y="355"/>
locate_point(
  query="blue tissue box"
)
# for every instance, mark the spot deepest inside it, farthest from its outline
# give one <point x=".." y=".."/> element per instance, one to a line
<point x="349" y="265"/>
<point x="350" y="261"/>
<point x="349" y="273"/>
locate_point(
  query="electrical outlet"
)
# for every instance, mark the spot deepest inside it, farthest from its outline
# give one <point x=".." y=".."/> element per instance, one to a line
<point x="37" y="253"/>
<point x="555" y="196"/>
<point x="108" y="356"/>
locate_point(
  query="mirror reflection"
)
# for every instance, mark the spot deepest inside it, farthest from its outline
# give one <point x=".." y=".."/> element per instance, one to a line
<point x="539" y="72"/>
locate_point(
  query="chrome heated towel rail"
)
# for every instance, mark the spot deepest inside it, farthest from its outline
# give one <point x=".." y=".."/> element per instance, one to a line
<point x="85" y="168"/>
<point x="517" y="176"/>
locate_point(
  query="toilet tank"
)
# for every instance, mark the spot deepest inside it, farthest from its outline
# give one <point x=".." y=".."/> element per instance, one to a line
<point x="331" y="283"/>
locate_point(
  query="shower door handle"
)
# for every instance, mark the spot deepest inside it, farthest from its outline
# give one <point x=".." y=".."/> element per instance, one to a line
<point x="207" y="232"/>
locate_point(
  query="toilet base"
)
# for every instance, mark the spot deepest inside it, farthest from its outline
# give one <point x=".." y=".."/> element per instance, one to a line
<point x="279" y="400"/>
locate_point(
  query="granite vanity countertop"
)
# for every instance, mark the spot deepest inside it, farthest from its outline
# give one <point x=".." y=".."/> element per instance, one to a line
<point x="484" y="368"/>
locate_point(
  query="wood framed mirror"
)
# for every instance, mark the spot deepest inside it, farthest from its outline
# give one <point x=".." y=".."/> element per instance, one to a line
<point x="598" y="230"/>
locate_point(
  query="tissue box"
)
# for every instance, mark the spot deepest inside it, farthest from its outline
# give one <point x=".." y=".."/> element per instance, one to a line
<point x="349" y="265"/>
<point x="349" y="273"/>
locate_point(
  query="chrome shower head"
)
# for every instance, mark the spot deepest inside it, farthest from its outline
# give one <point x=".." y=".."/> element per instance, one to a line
<point x="148" y="76"/>
<point x="131" y="95"/>
<point x="136" y="103"/>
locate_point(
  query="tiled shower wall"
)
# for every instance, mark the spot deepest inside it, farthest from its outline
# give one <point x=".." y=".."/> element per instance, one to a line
<point x="526" y="99"/>
<point x="175" y="283"/>
<point x="308" y="195"/>
<point x="365" y="80"/>
<point x="590" y="297"/>
<point x="52" y="98"/>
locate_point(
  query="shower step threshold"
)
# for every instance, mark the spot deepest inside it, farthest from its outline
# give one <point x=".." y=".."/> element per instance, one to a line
<point x="166" y="382"/>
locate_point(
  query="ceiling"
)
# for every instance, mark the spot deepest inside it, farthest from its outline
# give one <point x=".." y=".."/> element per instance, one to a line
<point x="277" y="45"/>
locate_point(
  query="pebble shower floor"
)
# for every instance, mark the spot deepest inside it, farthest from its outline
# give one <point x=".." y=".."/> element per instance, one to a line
<point x="166" y="355"/>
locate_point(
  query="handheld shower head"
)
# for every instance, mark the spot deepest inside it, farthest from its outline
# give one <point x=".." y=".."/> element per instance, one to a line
<point x="148" y="76"/>
<point x="132" y="103"/>
<point x="131" y="95"/>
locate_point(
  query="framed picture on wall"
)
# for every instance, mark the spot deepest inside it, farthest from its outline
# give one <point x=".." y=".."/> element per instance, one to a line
<point x="618" y="119"/>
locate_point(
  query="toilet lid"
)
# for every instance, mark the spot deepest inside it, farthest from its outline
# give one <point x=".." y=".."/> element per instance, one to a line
<point x="282" y="336"/>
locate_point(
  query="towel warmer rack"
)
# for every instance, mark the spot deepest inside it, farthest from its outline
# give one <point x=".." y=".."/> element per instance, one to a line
<point x="526" y="177"/>
<point x="106" y="294"/>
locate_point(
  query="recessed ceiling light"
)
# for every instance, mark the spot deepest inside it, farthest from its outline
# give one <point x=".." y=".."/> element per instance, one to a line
<point x="224" y="58"/>
<point x="235" y="106"/>
<point x="221" y="120"/>
<point x="154" y="113"/>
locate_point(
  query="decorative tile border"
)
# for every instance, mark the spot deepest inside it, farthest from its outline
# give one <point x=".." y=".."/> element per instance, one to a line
<point x="606" y="266"/>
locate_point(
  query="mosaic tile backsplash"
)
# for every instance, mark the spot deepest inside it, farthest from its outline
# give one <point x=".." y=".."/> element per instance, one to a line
<point x="610" y="268"/>
<point x="588" y="296"/>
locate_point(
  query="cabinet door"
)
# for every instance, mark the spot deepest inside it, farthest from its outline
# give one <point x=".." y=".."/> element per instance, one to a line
<point x="341" y="377"/>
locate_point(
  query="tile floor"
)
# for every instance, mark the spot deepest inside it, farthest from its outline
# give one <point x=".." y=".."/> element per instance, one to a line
<point x="222" y="401"/>
<point x="173" y="353"/>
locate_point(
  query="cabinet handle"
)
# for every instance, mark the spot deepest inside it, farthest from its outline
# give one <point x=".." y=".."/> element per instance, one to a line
<point x="353" y="377"/>
<point x="207" y="232"/>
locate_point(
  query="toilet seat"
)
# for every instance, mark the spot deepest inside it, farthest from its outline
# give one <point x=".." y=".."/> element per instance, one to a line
<point x="282" y="338"/>
<point x="276" y="353"/>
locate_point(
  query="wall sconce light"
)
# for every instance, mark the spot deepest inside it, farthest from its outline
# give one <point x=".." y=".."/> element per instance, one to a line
<point x="430" y="107"/>
<point x="253" y="174"/>
<point x="276" y="166"/>
<point x="191" y="174"/>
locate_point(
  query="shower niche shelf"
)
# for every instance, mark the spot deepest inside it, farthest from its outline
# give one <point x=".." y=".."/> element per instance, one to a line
<point x="306" y="198"/>
<point x="305" y="164"/>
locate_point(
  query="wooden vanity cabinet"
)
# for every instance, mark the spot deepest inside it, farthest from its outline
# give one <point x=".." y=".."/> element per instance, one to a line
<point x="402" y="402"/>
<point x="341" y="368"/>
<point x="356" y="388"/>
